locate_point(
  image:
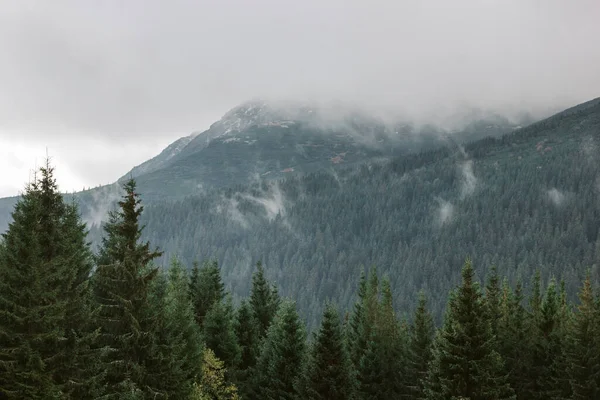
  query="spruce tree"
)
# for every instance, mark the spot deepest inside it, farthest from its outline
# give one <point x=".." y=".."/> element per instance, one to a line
<point x="121" y="285"/>
<point x="208" y="289"/>
<point x="383" y="366"/>
<point x="514" y="339"/>
<point x="356" y="322"/>
<point x="246" y="332"/>
<point x="584" y="346"/>
<point x="282" y="358"/>
<point x="219" y="333"/>
<point x="264" y="300"/>
<point x="421" y="337"/>
<point x="465" y="363"/>
<point x="492" y="299"/>
<point x="177" y="359"/>
<point x="45" y="305"/>
<point x="546" y="352"/>
<point x="364" y="317"/>
<point x="329" y="369"/>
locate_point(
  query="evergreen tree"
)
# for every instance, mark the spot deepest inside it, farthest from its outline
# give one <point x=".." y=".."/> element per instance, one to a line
<point x="421" y="337"/>
<point x="246" y="332"/>
<point x="356" y="321"/>
<point x="213" y="384"/>
<point x="546" y="353"/>
<point x="121" y="286"/>
<point x="264" y="300"/>
<point x="382" y="368"/>
<point x="329" y="370"/>
<point x="209" y="289"/>
<point x="584" y="346"/>
<point x="282" y="358"/>
<point x="465" y="364"/>
<point x="178" y="341"/>
<point x="364" y="317"/>
<point x="492" y="299"/>
<point x="45" y="305"/>
<point x="219" y="333"/>
<point x="514" y="339"/>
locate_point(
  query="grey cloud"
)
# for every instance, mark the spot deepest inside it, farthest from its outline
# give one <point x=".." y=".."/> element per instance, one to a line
<point x="150" y="68"/>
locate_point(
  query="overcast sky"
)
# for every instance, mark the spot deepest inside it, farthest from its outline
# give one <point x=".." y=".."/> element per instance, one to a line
<point x="107" y="84"/>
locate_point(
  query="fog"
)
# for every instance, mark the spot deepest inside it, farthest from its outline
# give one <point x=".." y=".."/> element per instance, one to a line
<point x="106" y="85"/>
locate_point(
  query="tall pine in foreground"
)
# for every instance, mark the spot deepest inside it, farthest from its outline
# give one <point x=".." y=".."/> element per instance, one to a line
<point x="419" y="353"/>
<point x="246" y="332"/>
<point x="264" y="300"/>
<point x="465" y="363"/>
<point x="45" y="307"/>
<point x="329" y="369"/>
<point x="175" y="364"/>
<point x="121" y="286"/>
<point x="281" y="361"/>
<point x="206" y="288"/>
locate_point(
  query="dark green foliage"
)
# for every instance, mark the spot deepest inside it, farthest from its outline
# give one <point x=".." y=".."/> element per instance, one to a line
<point x="246" y="332"/>
<point x="176" y="362"/>
<point x="492" y="300"/>
<point x="584" y="346"/>
<point x="282" y="358"/>
<point x="219" y="333"/>
<point x="329" y="369"/>
<point x="547" y="370"/>
<point x="465" y="363"/>
<point x="264" y="300"/>
<point x="514" y="338"/>
<point x="382" y="368"/>
<point x="121" y="285"/>
<point x="207" y="289"/>
<point x="419" y="354"/>
<point x="46" y="337"/>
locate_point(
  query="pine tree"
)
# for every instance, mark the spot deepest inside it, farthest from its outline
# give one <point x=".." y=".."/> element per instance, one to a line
<point x="264" y="300"/>
<point x="546" y="353"/>
<point x="246" y="332"/>
<point x="121" y="285"/>
<point x="421" y="337"/>
<point x="177" y="359"/>
<point x="382" y="368"/>
<point x="281" y="361"/>
<point x="45" y="307"/>
<point x="208" y="289"/>
<point x="584" y="346"/>
<point x="465" y="363"/>
<point x="492" y="299"/>
<point x="356" y="322"/>
<point x="219" y="333"/>
<point x="329" y="370"/>
<point x="364" y="317"/>
<point x="514" y="339"/>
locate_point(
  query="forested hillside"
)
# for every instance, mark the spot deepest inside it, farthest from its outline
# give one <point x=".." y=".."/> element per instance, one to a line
<point x="524" y="201"/>
<point x="114" y="325"/>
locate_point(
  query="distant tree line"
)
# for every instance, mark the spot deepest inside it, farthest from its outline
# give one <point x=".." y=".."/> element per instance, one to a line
<point x="112" y="325"/>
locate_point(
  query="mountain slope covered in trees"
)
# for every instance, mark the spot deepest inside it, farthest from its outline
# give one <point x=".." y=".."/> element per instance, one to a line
<point x="522" y="201"/>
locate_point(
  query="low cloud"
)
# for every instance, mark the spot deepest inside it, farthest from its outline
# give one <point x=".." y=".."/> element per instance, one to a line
<point x="468" y="179"/>
<point x="557" y="197"/>
<point x="445" y="211"/>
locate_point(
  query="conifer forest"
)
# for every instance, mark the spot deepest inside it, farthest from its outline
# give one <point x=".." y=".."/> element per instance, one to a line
<point x="110" y="323"/>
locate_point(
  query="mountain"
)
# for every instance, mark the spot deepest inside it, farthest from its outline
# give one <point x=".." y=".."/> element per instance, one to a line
<point x="523" y="200"/>
<point x="414" y="200"/>
<point x="258" y="140"/>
